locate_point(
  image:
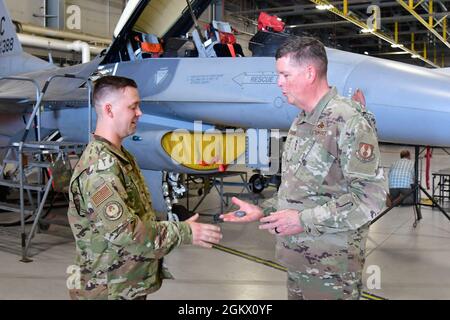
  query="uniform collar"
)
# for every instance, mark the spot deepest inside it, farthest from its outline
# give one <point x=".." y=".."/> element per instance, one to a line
<point x="313" y="117"/>
<point x="122" y="154"/>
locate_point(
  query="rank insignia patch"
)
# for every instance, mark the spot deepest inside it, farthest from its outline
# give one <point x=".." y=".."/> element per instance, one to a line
<point x="320" y="129"/>
<point x="365" y="152"/>
<point x="101" y="195"/>
<point x="113" y="210"/>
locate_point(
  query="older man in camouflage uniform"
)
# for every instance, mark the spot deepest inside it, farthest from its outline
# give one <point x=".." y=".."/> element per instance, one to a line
<point x="120" y="245"/>
<point x="331" y="185"/>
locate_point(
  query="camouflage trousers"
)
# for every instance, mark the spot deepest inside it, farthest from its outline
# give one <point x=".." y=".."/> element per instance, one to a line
<point x="329" y="271"/>
<point x="301" y="286"/>
<point x="74" y="295"/>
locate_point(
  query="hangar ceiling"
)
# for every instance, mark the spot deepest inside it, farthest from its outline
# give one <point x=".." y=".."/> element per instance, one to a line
<point x="303" y="18"/>
<point x="428" y="44"/>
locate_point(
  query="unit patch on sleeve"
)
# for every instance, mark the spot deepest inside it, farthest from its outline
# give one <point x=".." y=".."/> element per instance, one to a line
<point x="365" y="152"/>
<point x="101" y="195"/>
<point x="113" y="211"/>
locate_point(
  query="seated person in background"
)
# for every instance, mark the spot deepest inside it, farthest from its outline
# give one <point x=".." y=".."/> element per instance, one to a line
<point x="401" y="177"/>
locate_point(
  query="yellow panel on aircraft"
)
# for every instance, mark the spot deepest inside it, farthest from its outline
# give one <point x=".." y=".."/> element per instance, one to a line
<point x="204" y="151"/>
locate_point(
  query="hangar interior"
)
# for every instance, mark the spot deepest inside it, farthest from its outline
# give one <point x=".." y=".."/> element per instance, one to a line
<point x="413" y="261"/>
<point x="397" y="21"/>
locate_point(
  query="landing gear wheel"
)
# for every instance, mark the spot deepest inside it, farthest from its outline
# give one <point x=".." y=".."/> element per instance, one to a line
<point x="181" y="212"/>
<point x="257" y="183"/>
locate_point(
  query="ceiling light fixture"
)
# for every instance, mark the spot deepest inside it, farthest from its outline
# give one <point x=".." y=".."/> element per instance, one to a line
<point x="365" y="30"/>
<point x="324" y="6"/>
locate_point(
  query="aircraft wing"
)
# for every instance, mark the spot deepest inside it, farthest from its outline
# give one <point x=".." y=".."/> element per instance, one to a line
<point x="15" y="95"/>
<point x="62" y="92"/>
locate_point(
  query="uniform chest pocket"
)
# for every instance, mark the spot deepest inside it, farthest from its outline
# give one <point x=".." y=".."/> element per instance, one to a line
<point x="314" y="165"/>
<point x="295" y="147"/>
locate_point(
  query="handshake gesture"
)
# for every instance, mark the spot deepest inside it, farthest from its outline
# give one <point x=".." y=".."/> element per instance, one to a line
<point x="283" y="222"/>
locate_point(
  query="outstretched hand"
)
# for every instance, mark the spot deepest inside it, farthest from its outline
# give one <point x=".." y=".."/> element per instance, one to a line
<point x="203" y="235"/>
<point x="252" y="212"/>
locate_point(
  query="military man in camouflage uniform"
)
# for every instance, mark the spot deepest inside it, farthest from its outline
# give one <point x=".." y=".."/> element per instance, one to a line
<point x="331" y="184"/>
<point x="120" y="245"/>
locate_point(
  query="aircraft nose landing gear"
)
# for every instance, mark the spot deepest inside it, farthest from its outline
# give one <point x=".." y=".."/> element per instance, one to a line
<point x="257" y="183"/>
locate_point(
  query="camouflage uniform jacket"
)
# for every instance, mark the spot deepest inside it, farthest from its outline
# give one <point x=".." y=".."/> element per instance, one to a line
<point x="330" y="173"/>
<point x="119" y="243"/>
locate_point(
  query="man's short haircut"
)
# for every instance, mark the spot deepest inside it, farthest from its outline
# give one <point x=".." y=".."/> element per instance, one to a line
<point x="302" y="49"/>
<point x="404" y="154"/>
<point x="109" y="84"/>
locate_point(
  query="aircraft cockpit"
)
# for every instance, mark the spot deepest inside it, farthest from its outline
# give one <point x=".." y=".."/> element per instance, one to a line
<point x="163" y="29"/>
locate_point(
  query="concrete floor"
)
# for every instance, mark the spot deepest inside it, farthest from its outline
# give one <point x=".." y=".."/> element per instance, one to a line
<point x="413" y="262"/>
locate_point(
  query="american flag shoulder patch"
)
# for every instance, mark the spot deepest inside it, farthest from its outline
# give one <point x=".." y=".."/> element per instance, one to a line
<point x="101" y="195"/>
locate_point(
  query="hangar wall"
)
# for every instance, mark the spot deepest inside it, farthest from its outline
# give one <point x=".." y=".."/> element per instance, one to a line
<point x="96" y="17"/>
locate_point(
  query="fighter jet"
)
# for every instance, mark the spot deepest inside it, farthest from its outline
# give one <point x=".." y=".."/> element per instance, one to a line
<point x="182" y="81"/>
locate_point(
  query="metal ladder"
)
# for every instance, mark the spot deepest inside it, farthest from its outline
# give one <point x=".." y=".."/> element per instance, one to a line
<point x="37" y="150"/>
